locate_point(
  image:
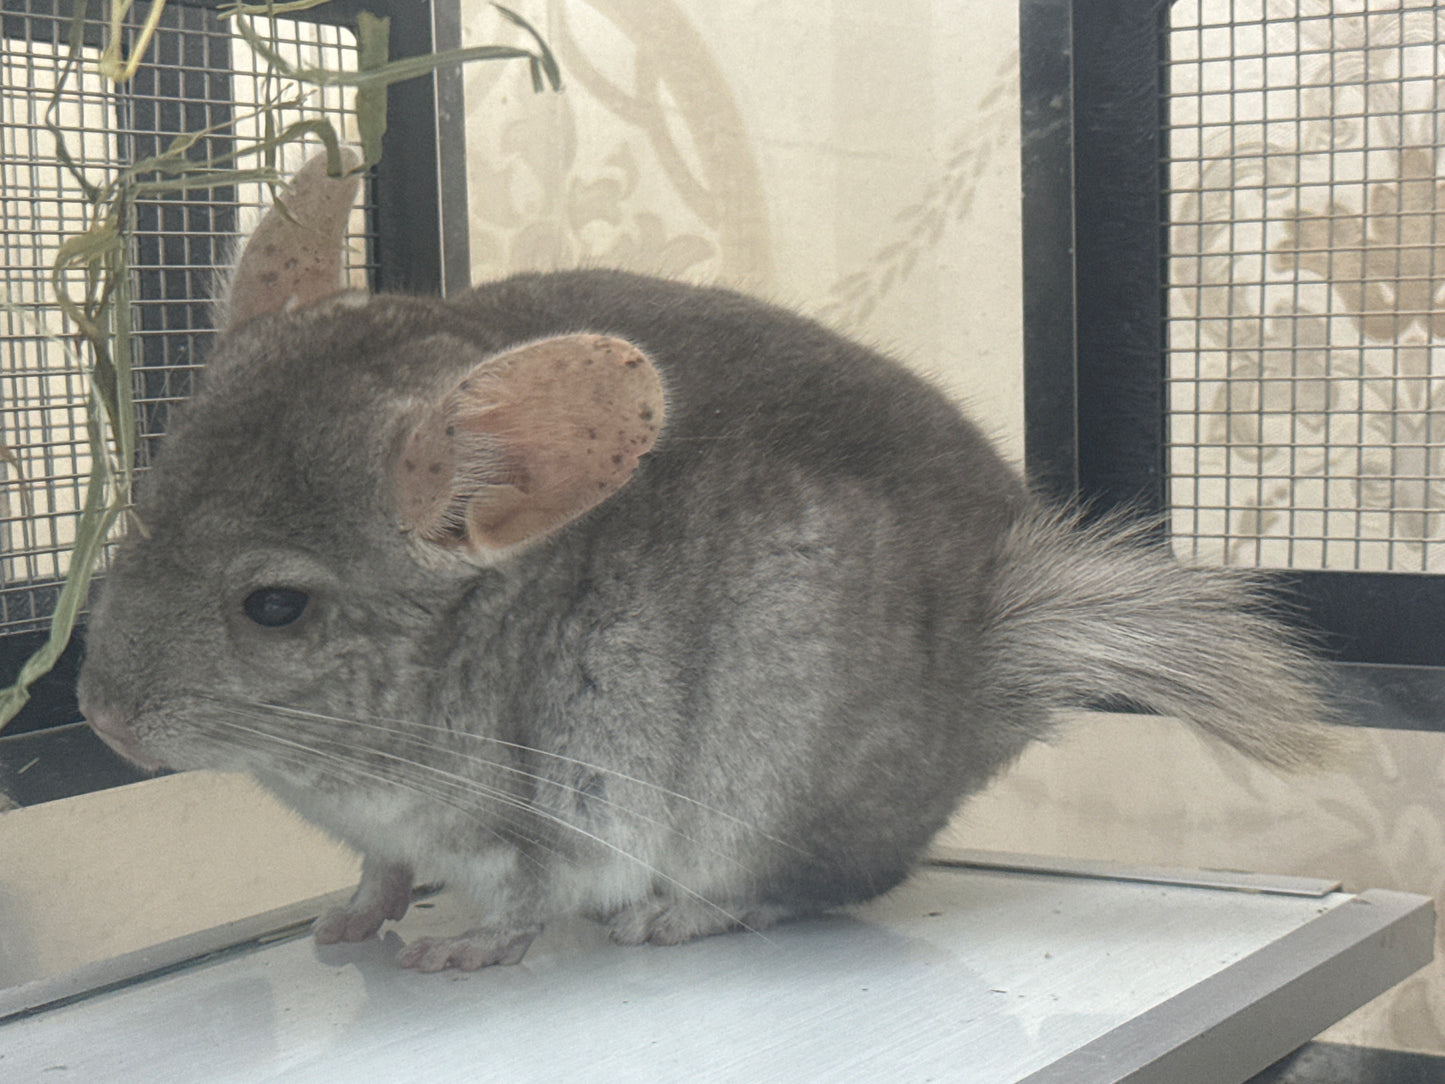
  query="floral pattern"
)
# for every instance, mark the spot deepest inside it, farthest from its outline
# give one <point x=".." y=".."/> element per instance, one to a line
<point x="668" y="190"/>
<point x="1306" y="290"/>
<point x="1380" y="261"/>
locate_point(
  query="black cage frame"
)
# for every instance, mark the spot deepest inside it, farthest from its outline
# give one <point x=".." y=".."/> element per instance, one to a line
<point x="419" y="184"/>
<point x="1094" y="252"/>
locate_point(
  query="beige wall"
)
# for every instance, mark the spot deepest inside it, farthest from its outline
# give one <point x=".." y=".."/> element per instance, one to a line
<point x="856" y="160"/>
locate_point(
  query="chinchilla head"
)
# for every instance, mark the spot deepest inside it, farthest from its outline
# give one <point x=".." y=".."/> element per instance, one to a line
<point x="353" y="470"/>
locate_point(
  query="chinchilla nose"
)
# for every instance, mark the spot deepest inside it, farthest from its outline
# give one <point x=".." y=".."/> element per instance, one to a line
<point x="108" y="723"/>
<point x="107" y="720"/>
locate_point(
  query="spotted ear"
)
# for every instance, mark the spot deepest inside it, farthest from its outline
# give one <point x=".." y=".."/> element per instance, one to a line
<point x="526" y="442"/>
<point x="294" y="256"/>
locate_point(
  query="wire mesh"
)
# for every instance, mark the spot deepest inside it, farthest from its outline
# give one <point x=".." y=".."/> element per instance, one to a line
<point x="200" y="74"/>
<point x="1306" y="333"/>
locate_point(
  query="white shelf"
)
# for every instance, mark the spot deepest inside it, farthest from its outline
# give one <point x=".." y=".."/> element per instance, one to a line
<point x="1032" y="972"/>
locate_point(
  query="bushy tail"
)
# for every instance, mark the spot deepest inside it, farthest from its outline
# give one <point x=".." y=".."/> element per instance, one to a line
<point x="1090" y="612"/>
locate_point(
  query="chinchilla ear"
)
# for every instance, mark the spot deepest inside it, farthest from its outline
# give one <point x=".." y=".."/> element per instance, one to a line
<point x="294" y="256"/>
<point x="526" y="442"/>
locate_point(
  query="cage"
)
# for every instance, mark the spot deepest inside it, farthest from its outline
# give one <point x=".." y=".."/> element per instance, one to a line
<point x="198" y="74"/>
<point x="1232" y="249"/>
<point x="1230" y="236"/>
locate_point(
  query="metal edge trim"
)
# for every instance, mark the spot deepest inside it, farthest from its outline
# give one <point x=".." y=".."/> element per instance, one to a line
<point x="453" y="220"/>
<point x="1247" y="1016"/>
<point x="1045" y="865"/>
<point x="104" y="975"/>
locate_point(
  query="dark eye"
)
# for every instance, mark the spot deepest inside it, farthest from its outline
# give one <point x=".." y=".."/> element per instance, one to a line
<point x="273" y="607"/>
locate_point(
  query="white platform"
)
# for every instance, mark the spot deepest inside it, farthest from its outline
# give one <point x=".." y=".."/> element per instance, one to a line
<point x="966" y="973"/>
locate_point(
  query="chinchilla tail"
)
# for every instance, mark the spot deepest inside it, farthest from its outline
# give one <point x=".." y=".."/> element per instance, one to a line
<point x="1100" y="611"/>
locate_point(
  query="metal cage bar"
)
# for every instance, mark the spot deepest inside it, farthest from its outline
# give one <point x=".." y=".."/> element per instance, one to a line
<point x="196" y="75"/>
<point x="1119" y="139"/>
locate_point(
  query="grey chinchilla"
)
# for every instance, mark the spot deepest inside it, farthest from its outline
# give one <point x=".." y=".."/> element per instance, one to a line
<point x="591" y="592"/>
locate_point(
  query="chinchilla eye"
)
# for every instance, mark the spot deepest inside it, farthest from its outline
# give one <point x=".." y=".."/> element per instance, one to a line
<point x="274" y="607"/>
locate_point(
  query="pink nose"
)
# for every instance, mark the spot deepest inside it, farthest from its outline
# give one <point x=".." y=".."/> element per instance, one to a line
<point x="103" y="721"/>
<point x="110" y="726"/>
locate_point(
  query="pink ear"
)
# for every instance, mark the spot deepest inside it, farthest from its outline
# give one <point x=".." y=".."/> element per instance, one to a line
<point x="527" y="442"/>
<point x="294" y="256"/>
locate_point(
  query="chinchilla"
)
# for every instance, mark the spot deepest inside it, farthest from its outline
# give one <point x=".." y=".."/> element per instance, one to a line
<point x="591" y="592"/>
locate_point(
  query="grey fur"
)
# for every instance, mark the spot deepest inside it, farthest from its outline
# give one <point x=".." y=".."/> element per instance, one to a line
<point x="753" y="683"/>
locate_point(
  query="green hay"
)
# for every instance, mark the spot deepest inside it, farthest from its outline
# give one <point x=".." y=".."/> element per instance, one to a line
<point x="90" y="278"/>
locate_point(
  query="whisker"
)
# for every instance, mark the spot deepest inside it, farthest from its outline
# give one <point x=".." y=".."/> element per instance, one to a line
<point x="306" y="756"/>
<point x="534" y="777"/>
<point x="459" y="782"/>
<point x="396" y="726"/>
<point x="569" y="788"/>
<point x="510" y="801"/>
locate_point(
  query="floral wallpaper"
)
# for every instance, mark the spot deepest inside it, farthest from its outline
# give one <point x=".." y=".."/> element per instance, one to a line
<point x="652" y="173"/>
<point x="859" y="164"/>
<point x="1306" y="282"/>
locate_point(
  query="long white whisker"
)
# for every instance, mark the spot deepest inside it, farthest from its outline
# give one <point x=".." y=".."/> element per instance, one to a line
<point x="306" y="756"/>
<point x="344" y="768"/>
<point x="522" y="773"/>
<point x="511" y="801"/>
<point x="393" y="726"/>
